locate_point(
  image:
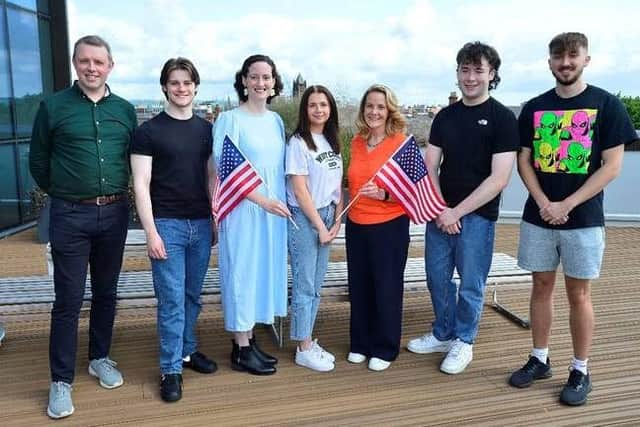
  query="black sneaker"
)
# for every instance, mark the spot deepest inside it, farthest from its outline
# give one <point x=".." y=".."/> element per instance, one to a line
<point x="534" y="369"/>
<point x="200" y="363"/>
<point x="171" y="387"/>
<point x="577" y="388"/>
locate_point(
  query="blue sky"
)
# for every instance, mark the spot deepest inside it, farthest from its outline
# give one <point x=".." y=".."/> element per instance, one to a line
<point x="410" y="45"/>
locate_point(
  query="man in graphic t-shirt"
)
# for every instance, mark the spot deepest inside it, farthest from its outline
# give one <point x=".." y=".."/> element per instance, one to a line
<point x="476" y="139"/>
<point x="572" y="140"/>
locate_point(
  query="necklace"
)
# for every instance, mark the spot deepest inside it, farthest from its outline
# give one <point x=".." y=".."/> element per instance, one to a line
<point x="370" y="145"/>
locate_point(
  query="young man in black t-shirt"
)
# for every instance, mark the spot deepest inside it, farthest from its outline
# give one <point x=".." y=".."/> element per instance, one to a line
<point x="572" y="141"/>
<point x="173" y="174"/>
<point x="476" y="139"/>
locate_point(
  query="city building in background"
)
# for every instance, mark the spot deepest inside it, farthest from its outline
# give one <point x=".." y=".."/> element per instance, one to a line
<point x="34" y="62"/>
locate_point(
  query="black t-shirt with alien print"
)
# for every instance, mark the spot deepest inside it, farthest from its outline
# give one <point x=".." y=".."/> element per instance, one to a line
<point x="566" y="137"/>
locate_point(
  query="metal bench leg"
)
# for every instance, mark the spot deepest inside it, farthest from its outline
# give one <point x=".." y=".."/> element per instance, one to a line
<point x="277" y="329"/>
<point x="524" y="323"/>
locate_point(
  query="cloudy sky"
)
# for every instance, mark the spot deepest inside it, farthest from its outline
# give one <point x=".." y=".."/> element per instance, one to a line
<point x="410" y="45"/>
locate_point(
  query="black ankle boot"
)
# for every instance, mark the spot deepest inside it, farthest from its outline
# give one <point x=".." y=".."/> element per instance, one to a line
<point x="265" y="357"/>
<point x="246" y="359"/>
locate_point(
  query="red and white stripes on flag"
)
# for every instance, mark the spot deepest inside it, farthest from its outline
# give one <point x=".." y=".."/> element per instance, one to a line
<point x="236" y="178"/>
<point x="406" y="178"/>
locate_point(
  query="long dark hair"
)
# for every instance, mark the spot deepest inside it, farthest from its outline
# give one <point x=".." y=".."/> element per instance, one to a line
<point x="331" y="127"/>
<point x="244" y="72"/>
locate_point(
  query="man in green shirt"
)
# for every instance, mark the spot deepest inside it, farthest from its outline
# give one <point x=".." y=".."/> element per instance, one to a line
<point x="79" y="156"/>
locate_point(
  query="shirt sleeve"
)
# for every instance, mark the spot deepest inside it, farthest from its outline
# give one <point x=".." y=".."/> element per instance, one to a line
<point x="142" y="141"/>
<point x="617" y="127"/>
<point x="525" y="126"/>
<point x="434" y="132"/>
<point x="297" y="161"/>
<point x="40" y="148"/>
<point x="507" y="138"/>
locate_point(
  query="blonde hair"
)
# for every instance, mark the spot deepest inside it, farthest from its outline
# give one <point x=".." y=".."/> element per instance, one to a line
<point x="396" y="122"/>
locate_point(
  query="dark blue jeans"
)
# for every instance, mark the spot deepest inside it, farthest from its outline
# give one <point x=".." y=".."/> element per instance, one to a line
<point x="84" y="235"/>
<point x="376" y="258"/>
<point x="177" y="281"/>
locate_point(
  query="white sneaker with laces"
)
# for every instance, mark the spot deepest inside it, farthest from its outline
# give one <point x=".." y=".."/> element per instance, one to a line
<point x="356" y="357"/>
<point x="314" y="360"/>
<point x="458" y="358"/>
<point x="325" y="354"/>
<point x="428" y="343"/>
<point x="376" y="364"/>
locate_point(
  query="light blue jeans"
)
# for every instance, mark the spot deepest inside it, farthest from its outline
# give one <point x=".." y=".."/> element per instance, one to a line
<point x="458" y="311"/>
<point x="309" y="260"/>
<point x="177" y="281"/>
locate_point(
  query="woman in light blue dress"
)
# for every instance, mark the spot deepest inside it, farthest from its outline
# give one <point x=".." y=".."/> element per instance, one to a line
<point x="252" y="248"/>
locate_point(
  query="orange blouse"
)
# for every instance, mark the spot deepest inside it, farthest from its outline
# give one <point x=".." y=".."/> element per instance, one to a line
<point x="362" y="166"/>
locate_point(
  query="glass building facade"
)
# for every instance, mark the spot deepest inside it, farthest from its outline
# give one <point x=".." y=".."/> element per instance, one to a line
<point x="34" y="62"/>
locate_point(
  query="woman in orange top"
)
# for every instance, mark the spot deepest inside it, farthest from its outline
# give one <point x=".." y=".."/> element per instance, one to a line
<point x="377" y="234"/>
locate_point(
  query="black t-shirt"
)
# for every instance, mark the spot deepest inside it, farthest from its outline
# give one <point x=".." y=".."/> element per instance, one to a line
<point x="469" y="136"/>
<point x="566" y="137"/>
<point x="180" y="151"/>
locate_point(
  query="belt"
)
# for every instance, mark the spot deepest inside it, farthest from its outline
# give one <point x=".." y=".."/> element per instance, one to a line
<point x="102" y="200"/>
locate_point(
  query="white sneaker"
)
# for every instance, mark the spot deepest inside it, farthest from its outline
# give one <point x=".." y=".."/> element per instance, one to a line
<point x="325" y="354"/>
<point x="313" y="359"/>
<point x="356" y="357"/>
<point x="460" y="355"/>
<point x="428" y="343"/>
<point x="376" y="364"/>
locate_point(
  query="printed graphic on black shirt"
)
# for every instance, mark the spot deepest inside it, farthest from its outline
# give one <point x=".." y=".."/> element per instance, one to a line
<point x="562" y="140"/>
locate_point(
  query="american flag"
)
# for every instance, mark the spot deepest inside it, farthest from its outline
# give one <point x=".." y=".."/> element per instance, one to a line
<point x="236" y="178"/>
<point x="405" y="177"/>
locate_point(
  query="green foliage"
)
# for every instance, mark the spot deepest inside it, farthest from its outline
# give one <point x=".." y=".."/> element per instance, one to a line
<point x="632" y="104"/>
<point x="346" y="135"/>
<point x="288" y="110"/>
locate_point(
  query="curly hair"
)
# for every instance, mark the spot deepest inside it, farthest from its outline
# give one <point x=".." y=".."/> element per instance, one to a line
<point x="244" y="72"/>
<point x="396" y="122"/>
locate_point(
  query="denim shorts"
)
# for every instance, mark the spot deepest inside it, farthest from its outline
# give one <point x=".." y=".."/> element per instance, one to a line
<point x="580" y="250"/>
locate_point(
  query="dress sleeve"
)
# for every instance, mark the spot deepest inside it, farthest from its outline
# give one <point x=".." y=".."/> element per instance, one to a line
<point x="226" y="125"/>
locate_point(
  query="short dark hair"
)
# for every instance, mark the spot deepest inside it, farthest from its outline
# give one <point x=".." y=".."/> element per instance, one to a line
<point x="331" y="128"/>
<point x="178" y="63"/>
<point x="244" y="71"/>
<point x="473" y="52"/>
<point x="567" y="42"/>
<point x="92" y="40"/>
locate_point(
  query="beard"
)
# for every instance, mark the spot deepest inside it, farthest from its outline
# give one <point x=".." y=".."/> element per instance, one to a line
<point x="567" y="81"/>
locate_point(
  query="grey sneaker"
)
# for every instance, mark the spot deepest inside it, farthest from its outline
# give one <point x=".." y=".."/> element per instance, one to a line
<point x="104" y="369"/>
<point x="60" y="404"/>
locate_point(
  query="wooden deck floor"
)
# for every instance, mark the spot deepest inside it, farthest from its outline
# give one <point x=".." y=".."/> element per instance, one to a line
<point x="411" y="392"/>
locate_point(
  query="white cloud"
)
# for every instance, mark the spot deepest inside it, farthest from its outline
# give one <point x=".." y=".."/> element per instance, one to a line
<point x="409" y="45"/>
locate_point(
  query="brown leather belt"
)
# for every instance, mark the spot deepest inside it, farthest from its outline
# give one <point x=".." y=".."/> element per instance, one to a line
<point x="102" y="200"/>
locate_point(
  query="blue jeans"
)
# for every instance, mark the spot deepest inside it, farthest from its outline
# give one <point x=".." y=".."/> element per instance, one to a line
<point x="309" y="260"/>
<point x="457" y="314"/>
<point x="177" y="281"/>
<point x="80" y="235"/>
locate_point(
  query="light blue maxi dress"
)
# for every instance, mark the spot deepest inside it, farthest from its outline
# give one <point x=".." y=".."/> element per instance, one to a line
<point x="252" y="243"/>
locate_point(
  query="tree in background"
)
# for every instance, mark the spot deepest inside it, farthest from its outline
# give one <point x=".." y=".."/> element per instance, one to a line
<point x="632" y="103"/>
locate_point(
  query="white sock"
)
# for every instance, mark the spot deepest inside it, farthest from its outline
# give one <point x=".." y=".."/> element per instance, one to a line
<point x="541" y="354"/>
<point x="580" y="365"/>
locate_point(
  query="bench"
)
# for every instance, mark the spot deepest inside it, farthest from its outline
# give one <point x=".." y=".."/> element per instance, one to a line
<point x="135" y="288"/>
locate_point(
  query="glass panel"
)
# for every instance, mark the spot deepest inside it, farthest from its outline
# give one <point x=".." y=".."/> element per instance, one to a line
<point x="25" y="67"/>
<point x="43" y="6"/>
<point x="27" y="4"/>
<point x="46" y="61"/>
<point x="6" y="121"/>
<point x="26" y="181"/>
<point x="9" y="213"/>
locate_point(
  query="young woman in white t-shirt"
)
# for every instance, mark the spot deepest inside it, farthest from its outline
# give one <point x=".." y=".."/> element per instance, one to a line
<point x="314" y="196"/>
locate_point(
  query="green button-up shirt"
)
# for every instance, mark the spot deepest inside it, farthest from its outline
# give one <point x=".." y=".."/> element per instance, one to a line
<point x="79" y="148"/>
